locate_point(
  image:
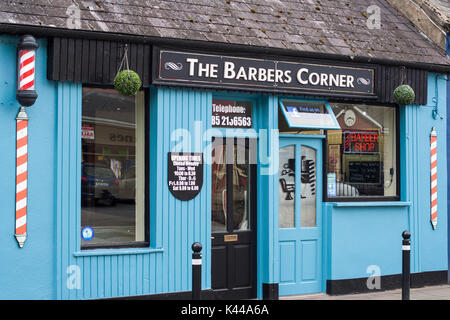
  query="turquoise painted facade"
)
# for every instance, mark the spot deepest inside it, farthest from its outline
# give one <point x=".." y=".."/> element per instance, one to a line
<point x="448" y="150"/>
<point x="28" y="273"/>
<point x="372" y="231"/>
<point x="52" y="266"/>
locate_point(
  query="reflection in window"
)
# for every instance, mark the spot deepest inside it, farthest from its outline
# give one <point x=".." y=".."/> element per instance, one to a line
<point x="219" y="185"/>
<point x="236" y="171"/>
<point x="362" y="155"/>
<point x="308" y="192"/>
<point x="241" y="167"/>
<point x="287" y="187"/>
<point x="113" y="128"/>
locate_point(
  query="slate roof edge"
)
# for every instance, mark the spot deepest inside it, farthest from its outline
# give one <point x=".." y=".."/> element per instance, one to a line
<point x="46" y="32"/>
<point x="413" y="27"/>
<point x="433" y="11"/>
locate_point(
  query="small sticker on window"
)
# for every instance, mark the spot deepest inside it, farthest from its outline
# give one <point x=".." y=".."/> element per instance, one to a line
<point x="331" y="184"/>
<point x="87" y="233"/>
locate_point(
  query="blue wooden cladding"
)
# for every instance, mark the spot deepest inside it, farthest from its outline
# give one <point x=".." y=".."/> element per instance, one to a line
<point x="175" y="225"/>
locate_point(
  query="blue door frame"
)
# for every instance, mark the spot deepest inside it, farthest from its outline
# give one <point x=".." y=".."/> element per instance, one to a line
<point x="301" y="240"/>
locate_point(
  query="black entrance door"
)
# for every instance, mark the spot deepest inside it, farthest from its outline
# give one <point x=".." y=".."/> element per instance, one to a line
<point x="233" y="218"/>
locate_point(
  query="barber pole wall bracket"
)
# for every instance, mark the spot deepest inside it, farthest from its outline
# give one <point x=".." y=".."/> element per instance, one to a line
<point x="433" y="168"/>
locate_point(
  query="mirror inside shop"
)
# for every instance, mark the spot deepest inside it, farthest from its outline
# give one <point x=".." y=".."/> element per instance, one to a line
<point x="112" y="172"/>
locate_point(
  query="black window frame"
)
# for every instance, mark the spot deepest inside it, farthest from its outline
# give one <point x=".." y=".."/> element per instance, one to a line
<point x="133" y="244"/>
<point x="397" y="174"/>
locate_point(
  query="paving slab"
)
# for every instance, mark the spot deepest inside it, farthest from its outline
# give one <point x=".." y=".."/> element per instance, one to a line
<point x="441" y="292"/>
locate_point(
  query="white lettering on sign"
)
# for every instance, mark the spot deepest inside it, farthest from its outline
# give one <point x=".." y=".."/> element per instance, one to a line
<point x="208" y="70"/>
<point x="304" y="76"/>
<point x="228" y="108"/>
<point x="231" y="114"/>
<point x="185" y="171"/>
<point x="325" y="79"/>
<point x="242" y="73"/>
<point x="228" y="70"/>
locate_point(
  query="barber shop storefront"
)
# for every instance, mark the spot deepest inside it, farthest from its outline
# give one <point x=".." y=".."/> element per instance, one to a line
<point x="297" y="175"/>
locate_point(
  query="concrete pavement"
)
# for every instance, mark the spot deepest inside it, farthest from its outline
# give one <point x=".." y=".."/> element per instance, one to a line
<point x="426" y="293"/>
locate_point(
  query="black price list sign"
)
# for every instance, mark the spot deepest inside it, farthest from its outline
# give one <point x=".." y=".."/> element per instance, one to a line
<point x="185" y="174"/>
<point x="231" y="114"/>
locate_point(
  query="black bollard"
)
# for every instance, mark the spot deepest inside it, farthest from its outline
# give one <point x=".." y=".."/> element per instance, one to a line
<point x="406" y="255"/>
<point x="196" y="270"/>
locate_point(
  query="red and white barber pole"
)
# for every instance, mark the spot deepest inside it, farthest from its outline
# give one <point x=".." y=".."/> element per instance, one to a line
<point x="21" y="176"/>
<point x="26" y="95"/>
<point x="433" y="154"/>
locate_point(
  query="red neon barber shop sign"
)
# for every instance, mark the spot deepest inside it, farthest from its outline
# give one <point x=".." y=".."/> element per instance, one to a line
<point x="361" y="141"/>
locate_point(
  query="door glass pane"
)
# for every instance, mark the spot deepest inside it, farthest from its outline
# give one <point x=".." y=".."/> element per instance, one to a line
<point x="286" y="192"/>
<point x="308" y="189"/>
<point x="218" y="188"/>
<point x="241" y="191"/>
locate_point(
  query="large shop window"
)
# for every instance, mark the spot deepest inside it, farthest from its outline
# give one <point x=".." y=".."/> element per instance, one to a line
<point x="113" y="169"/>
<point x="362" y="156"/>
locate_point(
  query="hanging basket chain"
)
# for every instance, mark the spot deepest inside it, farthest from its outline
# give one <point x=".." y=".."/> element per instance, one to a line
<point x="124" y="59"/>
<point x="403" y="75"/>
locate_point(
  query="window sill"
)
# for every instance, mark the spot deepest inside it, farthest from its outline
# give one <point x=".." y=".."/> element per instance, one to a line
<point x="372" y="204"/>
<point x="116" y="252"/>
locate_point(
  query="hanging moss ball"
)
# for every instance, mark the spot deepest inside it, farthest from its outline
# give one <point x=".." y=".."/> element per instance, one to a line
<point x="404" y="95"/>
<point x="127" y="82"/>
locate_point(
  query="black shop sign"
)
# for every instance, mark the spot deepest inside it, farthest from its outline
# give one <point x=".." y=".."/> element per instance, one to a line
<point x="185" y="174"/>
<point x="206" y="70"/>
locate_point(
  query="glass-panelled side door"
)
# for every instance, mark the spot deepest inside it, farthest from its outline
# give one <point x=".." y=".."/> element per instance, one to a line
<point x="300" y="218"/>
<point x="233" y="218"/>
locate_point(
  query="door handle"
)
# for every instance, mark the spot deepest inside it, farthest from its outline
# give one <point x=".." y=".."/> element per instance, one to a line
<point x="212" y="238"/>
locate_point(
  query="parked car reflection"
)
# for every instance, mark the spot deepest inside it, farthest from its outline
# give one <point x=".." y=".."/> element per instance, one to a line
<point x="127" y="185"/>
<point x="98" y="185"/>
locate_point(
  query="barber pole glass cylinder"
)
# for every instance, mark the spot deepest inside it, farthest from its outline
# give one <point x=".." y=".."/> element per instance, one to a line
<point x="26" y="56"/>
<point x="26" y="70"/>
<point x="433" y="154"/>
